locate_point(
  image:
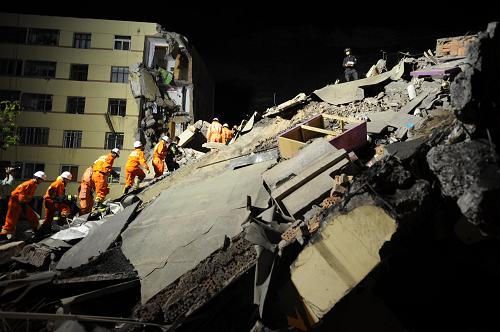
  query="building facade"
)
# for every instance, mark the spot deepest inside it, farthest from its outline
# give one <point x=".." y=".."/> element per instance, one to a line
<point x="71" y="77"/>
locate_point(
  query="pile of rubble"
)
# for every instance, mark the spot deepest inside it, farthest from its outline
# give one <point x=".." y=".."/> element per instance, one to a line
<point x="370" y="204"/>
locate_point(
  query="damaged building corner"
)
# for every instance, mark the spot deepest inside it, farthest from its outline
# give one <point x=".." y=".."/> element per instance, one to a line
<point x="171" y="86"/>
<point x="370" y="205"/>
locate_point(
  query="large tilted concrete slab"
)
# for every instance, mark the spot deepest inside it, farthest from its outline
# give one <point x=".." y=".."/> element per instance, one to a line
<point x="328" y="269"/>
<point x="189" y="221"/>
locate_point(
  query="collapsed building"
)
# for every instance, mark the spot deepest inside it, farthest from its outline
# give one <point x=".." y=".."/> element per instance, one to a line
<point x="171" y="86"/>
<point x="361" y="206"/>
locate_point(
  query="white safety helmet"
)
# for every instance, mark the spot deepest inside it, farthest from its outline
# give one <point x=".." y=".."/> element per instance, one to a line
<point x="41" y="175"/>
<point x="137" y="144"/>
<point x="117" y="151"/>
<point x="225" y="125"/>
<point x="215" y="119"/>
<point x="66" y="175"/>
<point x="166" y="139"/>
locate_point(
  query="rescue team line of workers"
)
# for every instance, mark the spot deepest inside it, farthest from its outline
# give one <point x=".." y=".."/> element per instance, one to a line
<point x="219" y="133"/>
<point x="95" y="178"/>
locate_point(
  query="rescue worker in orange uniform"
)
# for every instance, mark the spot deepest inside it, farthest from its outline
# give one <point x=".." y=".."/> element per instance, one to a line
<point x="85" y="193"/>
<point x="132" y="167"/>
<point x="159" y="154"/>
<point x="18" y="206"/>
<point x="101" y="169"/>
<point x="53" y="200"/>
<point x="227" y="134"/>
<point x="214" y="133"/>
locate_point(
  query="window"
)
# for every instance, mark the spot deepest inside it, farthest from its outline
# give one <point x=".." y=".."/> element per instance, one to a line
<point x="73" y="169"/>
<point x="117" y="107"/>
<point x="72" y="139"/>
<point x="33" y="135"/>
<point x="11" y="67"/>
<point x="75" y="105"/>
<point x="122" y="43"/>
<point x="40" y="68"/>
<point x="26" y="170"/>
<point x="113" y="141"/>
<point x="81" y="40"/>
<point x="119" y="74"/>
<point x="36" y="102"/>
<point x="79" y="72"/>
<point x="13" y="35"/>
<point x="10" y="95"/>
<point x="43" y="37"/>
<point x="116" y="179"/>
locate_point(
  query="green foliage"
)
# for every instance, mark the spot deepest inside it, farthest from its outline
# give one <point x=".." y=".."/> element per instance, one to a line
<point x="8" y="131"/>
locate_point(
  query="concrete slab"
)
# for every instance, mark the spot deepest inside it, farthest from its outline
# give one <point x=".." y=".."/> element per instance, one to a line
<point x="189" y="221"/>
<point x="327" y="270"/>
<point x="98" y="240"/>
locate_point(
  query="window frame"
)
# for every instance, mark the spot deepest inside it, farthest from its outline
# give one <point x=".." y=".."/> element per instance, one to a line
<point x="23" y="173"/>
<point x="13" y="67"/>
<point x="117" y="106"/>
<point x="122" y="40"/>
<point x="39" y="98"/>
<point x="116" y="140"/>
<point x="79" y="72"/>
<point x="37" y="36"/>
<point x="119" y="71"/>
<point x="75" y="100"/>
<point x="85" y="42"/>
<point x="71" y="142"/>
<point x="45" y="72"/>
<point x="33" y="135"/>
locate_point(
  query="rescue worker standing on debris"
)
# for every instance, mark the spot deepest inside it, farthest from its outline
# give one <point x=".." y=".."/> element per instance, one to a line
<point x="227" y="134"/>
<point x="159" y="154"/>
<point x="101" y="169"/>
<point x="19" y="208"/>
<point x="85" y="192"/>
<point x="132" y="167"/>
<point x="54" y="200"/>
<point x="349" y="63"/>
<point x="214" y="133"/>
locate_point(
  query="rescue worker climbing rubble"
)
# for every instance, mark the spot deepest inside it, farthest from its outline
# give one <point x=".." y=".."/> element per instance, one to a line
<point x="173" y="155"/>
<point x="132" y="167"/>
<point x="18" y="206"/>
<point x="85" y="192"/>
<point x="227" y="134"/>
<point x="55" y="200"/>
<point x="214" y="133"/>
<point x="159" y="154"/>
<point x="101" y="169"/>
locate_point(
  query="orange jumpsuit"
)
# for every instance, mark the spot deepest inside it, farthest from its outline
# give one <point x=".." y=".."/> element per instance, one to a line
<point x="18" y="207"/>
<point x="101" y="169"/>
<point x="214" y="132"/>
<point x="55" y="190"/>
<point x="159" y="154"/>
<point x="85" y="192"/>
<point x="227" y="134"/>
<point x="132" y="168"/>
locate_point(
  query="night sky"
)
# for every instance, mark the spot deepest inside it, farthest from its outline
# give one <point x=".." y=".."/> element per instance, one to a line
<point x="260" y="55"/>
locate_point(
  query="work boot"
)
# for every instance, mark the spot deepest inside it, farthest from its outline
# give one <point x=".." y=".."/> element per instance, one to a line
<point x="125" y="190"/>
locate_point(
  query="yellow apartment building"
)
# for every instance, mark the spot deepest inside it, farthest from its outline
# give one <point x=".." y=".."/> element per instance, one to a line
<point x="71" y="76"/>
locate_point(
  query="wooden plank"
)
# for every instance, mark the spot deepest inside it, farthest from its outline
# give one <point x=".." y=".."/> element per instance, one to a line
<point x="321" y="130"/>
<point x="289" y="147"/>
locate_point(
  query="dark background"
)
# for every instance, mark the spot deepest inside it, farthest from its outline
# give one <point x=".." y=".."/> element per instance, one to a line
<point x="264" y="53"/>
